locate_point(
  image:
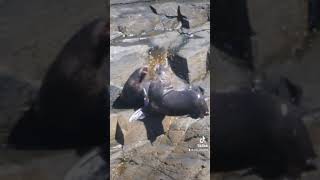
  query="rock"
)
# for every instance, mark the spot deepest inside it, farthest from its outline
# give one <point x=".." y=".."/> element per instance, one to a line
<point x="198" y="137"/>
<point x="160" y="162"/>
<point x="195" y="52"/>
<point x="196" y="13"/>
<point x="42" y="165"/>
<point x="166" y="40"/>
<point x="91" y="167"/>
<point x="113" y="127"/>
<point x="129" y="58"/>
<point x="167" y="24"/>
<point x="125" y="132"/>
<point x="284" y="36"/>
<point x="166" y="9"/>
<point x="181" y="123"/>
<point x="167" y="122"/>
<point x="116" y="34"/>
<point x="198" y="129"/>
<point x="132" y="20"/>
<point x="168" y="153"/>
<point x="205" y="84"/>
<point x="175" y="136"/>
<point x="124" y="2"/>
<point x="114" y="93"/>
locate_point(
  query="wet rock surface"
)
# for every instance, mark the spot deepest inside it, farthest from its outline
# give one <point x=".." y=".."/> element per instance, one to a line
<point x="159" y="147"/>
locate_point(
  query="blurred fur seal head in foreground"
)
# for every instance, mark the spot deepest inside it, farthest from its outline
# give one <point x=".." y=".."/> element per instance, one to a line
<point x="71" y="109"/>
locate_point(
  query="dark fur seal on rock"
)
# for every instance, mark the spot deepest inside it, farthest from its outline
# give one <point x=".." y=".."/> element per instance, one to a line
<point x="261" y="132"/>
<point x="71" y="110"/>
<point x="132" y="94"/>
<point x="165" y="99"/>
<point x="92" y="166"/>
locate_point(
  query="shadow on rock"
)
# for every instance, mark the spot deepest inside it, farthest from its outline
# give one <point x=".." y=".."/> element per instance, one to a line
<point x="179" y="66"/>
<point x="153" y="126"/>
<point x="119" y="135"/>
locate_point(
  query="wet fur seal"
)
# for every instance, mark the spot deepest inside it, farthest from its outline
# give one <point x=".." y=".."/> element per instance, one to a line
<point x="165" y="99"/>
<point x="132" y="94"/>
<point x="260" y="132"/>
<point x="92" y="166"/>
<point x="71" y="108"/>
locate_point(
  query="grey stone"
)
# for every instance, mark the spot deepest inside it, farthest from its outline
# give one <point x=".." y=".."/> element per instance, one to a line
<point x="166" y="40"/>
<point x="91" y="167"/>
<point x="129" y="58"/>
<point x="132" y="21"/>
<point x="195" y="52"/>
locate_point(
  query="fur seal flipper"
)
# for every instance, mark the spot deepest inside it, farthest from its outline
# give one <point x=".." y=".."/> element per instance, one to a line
<point x="159" y="95"/>
<point x="71" y="109"/>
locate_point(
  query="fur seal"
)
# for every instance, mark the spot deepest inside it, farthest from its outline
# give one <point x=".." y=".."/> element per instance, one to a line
<point x="261" y="132"/>
<point x="132" y="94"/>
<point x="92" y="166"/>
<point x="71" y="108"/>
<point x="166" y="99"/>
<point x="163" y="98"/>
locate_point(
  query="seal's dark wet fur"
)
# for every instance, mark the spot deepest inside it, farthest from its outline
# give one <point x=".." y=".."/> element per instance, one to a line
<point x="71" y="110"/>
<point x="132" y="94"/>
<point x="177" y="103"/>
<point x="261" y="132"/>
